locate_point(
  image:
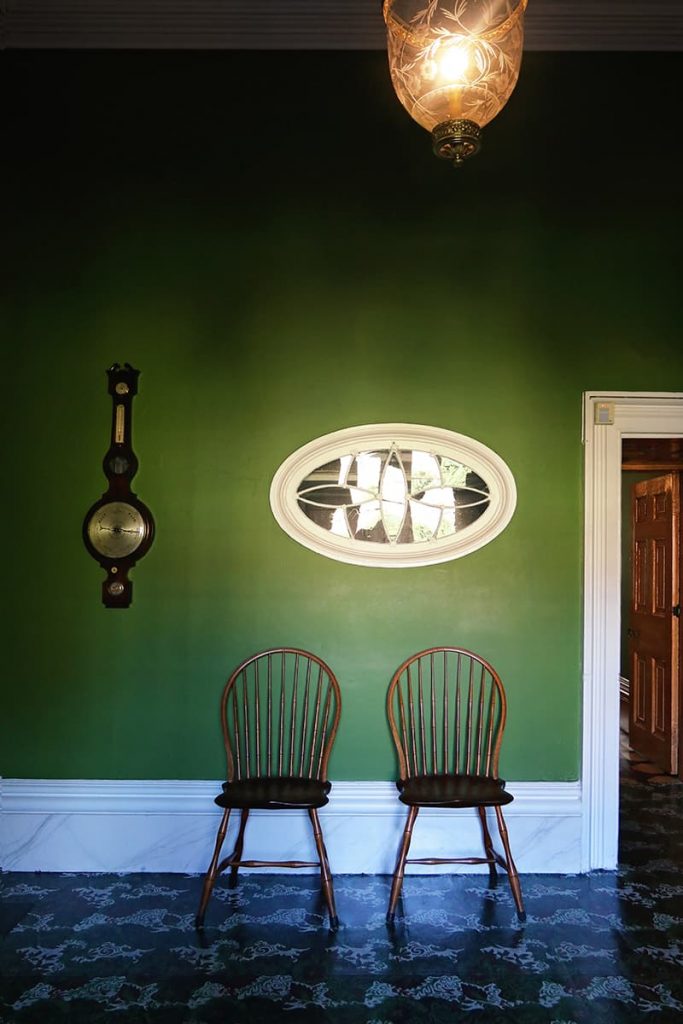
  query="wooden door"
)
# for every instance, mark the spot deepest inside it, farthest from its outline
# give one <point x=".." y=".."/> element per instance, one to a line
<point x="653" y="629"/>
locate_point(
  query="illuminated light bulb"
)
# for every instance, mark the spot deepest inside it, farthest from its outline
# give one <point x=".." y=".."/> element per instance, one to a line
<point x="454" y="61"/>
<point x="454" y="65"/>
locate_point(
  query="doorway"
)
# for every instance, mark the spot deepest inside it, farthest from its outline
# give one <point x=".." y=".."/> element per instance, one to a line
<point x="609" y="419"/>
<point x="650" y="677"/>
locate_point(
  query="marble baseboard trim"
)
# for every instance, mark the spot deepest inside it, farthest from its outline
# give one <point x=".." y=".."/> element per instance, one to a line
<point x="170" y="825"/>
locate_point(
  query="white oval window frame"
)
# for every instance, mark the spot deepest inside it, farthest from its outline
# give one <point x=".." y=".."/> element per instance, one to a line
<point x="351" y="440"/>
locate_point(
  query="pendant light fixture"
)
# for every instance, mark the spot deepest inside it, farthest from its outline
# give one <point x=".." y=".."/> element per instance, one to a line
<point x="454" y="64"/>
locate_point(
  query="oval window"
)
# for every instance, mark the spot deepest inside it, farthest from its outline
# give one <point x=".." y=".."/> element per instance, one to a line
<point x="393" y="494"/>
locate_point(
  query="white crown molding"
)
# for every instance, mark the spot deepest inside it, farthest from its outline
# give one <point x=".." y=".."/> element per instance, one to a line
<point x="634" y="415"/>
<point x="169" y="825"/>
<point x="313" y="24"/>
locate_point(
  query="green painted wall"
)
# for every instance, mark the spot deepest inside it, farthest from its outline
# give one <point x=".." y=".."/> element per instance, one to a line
<point x="283" y="261"/>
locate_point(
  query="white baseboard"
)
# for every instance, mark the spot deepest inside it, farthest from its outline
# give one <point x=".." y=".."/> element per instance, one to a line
<point x="148" y="825"/>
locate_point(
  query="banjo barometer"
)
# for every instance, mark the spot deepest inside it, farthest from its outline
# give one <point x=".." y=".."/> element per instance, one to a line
<point x="118" y="530"/>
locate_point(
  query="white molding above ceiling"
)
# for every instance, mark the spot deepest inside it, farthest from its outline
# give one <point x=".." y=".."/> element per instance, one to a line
<point x="312" y="24"/>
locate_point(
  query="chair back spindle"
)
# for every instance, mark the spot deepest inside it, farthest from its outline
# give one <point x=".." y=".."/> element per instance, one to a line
<point x="447" y="709"/>
<point x="279" y="713"/>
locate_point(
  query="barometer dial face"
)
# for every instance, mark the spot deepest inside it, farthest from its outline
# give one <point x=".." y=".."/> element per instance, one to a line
<point x="116" y="529"/>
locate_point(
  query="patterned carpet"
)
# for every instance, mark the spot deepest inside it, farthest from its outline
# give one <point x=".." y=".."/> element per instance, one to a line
<point x="598" y="948"/>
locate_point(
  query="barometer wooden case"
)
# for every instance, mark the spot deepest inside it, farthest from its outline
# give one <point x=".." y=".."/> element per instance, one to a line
<point x="118" y="530"/>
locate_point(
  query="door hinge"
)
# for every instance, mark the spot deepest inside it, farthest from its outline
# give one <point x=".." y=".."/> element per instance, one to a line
<point x="676" y="610"/>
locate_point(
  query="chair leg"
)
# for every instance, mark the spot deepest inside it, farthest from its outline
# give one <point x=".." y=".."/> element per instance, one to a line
<point x="325" y="873"/>
<point x="488" y="845"/>
<point x="399" y="870"/>
<point x="239" y="845"/>
<point x="512" y="870"/>
<point x="212" y="873"/>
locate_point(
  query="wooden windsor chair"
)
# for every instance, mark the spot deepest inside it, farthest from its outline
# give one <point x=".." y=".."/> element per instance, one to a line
<point x="280" y="712"/>
<point x="447" y="710"/>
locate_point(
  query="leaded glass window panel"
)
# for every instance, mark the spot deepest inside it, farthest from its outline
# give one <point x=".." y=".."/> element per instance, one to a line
<point x="393" y="495"/>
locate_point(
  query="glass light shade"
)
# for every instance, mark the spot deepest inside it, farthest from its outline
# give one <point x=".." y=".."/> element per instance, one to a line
<point x="454" y="64"/>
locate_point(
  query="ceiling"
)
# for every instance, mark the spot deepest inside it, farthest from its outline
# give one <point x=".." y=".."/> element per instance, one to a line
<point x="313" y="24"/>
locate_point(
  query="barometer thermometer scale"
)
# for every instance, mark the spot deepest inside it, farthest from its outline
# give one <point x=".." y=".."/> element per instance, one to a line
<point x="118" y="530"/>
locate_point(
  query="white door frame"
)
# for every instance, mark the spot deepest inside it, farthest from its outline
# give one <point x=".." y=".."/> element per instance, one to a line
<point x="632" y="414"/>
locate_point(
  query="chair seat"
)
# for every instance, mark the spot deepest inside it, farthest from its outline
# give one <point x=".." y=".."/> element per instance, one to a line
<point x="454" y="791"/>
<point x="274" y="792"/>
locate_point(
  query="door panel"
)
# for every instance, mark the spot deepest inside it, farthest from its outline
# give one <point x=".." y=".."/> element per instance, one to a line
<point x="662" y="603"/>
<point x="653" y="631"/>
<point x="638" y="693"/>
<point x="640" y="577"/>
<point x="642" y="505"/>
<point x="659" y="714"/>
